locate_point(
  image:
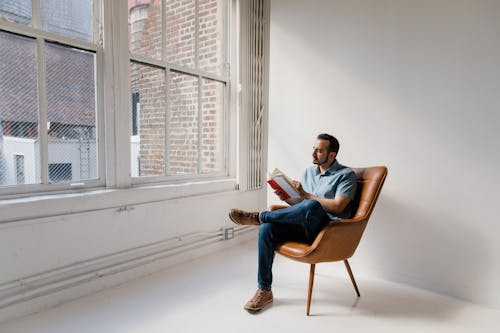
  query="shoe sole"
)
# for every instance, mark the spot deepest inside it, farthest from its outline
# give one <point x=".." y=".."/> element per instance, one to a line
<point x="233" y="219"/>
<point x="244" y="224"/>
<point x="253" y="310"/>
<point x="236" y="222"/>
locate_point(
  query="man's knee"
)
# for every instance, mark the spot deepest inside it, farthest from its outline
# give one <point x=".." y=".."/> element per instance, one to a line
<point x="265" y="231"/>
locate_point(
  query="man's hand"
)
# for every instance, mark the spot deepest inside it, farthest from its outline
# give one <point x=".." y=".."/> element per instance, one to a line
<point x="298" y="186"/>
<point x="282" y="195"/>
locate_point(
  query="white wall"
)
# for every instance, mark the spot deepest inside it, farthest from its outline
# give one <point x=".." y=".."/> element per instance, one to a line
<point x="35" y="245"/>
<point x="54" y="247"/>
<point x="414" y="85"/>
<point x="71" y="245"/>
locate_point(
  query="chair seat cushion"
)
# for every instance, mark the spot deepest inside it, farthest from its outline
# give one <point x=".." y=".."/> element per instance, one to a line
<point x="294" y="249"/>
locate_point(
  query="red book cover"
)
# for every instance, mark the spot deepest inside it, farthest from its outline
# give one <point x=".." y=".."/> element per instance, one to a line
<point x="279" y="181"/>
<point x="275" y="186"/>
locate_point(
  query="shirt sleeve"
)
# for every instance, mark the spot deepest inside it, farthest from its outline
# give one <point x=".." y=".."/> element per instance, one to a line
<point x="347" y="186"/>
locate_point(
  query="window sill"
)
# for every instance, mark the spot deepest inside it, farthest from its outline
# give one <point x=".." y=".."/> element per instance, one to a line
<point x="42" y="206"/>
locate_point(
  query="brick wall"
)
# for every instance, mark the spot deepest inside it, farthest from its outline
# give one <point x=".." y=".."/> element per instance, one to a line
<point x="192" y="137"/>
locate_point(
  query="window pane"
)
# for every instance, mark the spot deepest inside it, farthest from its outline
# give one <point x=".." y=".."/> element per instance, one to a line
<point x="211" y="36"/>
<point x="71" y="113"/>
<point x="183" y="125"/>
<point x="72" y="18"/>
<point x="18" y="11"/>
<point x="18" y="111"/>
<point x="148" y="143"/>
<point x="212" y="138"/>
<point x="180" y="37"/>
<point x="20" y="169"/>
<point x="145" y="28"/>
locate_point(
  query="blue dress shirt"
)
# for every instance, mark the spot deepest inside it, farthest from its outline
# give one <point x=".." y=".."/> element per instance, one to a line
<point x="337" y="181"/>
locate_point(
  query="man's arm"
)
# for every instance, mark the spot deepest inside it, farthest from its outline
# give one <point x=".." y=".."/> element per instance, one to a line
<point x="334" y="206"/>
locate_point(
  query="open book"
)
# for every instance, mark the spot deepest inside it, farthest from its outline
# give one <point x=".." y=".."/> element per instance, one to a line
<point x="279" y="181"/>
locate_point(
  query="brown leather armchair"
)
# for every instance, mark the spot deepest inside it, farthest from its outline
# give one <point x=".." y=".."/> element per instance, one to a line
<point x="340" y="238"/>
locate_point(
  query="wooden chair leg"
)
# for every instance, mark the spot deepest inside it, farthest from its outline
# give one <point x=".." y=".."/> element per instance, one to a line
<point x="352" y="276"/>
<point x="310" y="289"/>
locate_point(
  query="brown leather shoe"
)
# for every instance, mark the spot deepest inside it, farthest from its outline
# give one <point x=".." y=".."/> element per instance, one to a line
<point x="244" y="218"/>
<point x="259" y="300"/>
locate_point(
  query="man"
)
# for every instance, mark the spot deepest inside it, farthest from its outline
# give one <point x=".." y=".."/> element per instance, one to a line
<point x="327" y="190"/>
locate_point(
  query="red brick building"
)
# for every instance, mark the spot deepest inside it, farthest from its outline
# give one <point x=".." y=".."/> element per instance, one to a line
<point x="177" y="113"/>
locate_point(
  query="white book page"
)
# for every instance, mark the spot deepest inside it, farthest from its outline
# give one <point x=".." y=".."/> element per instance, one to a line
<point x="292" y="192"/>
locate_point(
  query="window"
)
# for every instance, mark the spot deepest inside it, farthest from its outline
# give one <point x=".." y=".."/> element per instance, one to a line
<point x="19" y="160"/>
<point x="59" y="172"/>
<point x="62" y="64"/>
<point x="16" y="11"/>
<point x="179" y="68"/>
<point x="48" y="93"/>
<point x="136" y="109"/>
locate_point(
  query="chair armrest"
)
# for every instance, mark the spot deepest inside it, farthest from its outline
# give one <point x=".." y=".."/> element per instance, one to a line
<point x="353" y="220"/>
<point x="276" y="207"/>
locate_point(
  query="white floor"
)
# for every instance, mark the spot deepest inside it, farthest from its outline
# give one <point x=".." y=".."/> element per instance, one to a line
<point x="208" y="294"/>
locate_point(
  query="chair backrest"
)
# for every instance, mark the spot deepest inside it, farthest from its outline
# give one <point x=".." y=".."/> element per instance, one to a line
<point x="339" y="241"/>
<point x="370" y="182"/>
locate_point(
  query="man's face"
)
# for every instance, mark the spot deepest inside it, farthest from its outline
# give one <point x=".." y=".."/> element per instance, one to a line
<point x="320" y="153"/>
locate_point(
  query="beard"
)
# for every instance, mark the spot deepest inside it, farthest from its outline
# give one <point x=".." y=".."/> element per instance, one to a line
<point x="319" y="162"/>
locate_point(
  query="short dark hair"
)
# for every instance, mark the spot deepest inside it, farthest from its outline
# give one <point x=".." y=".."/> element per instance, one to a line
<point x="334" y="143"/>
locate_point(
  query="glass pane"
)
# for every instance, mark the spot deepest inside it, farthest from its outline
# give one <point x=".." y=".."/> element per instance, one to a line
<point x="212" y="123"/>
<point x="148" y="119"/>
<point x="18" y="11"/>
<point x="72" y="18"/>
<point x="183" y="125"/>
<point x="181" y="27"/>
<point x="19" y="144"/>
<point x="71" y="114"/>
<point x="145" y="28"/>
<point x="211" y="36"/>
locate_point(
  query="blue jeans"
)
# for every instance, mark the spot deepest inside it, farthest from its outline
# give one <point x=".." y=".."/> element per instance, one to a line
<point x="301" y="223"/>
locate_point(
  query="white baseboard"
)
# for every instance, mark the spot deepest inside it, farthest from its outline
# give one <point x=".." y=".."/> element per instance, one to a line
<point x="41" y="291"/>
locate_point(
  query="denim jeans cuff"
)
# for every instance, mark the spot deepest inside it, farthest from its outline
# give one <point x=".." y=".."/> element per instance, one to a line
<point x="264" y="287"/>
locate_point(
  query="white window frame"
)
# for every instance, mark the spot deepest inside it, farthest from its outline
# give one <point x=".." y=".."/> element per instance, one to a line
<point x="229" y="112"/>
<point x="41" y="38"/>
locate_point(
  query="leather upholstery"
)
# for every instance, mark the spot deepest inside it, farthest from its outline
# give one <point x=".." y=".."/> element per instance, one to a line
<point x="340" y="238"/>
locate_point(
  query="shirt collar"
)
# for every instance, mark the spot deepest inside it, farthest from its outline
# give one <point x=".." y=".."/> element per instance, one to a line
<point x="334" y="167"/>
